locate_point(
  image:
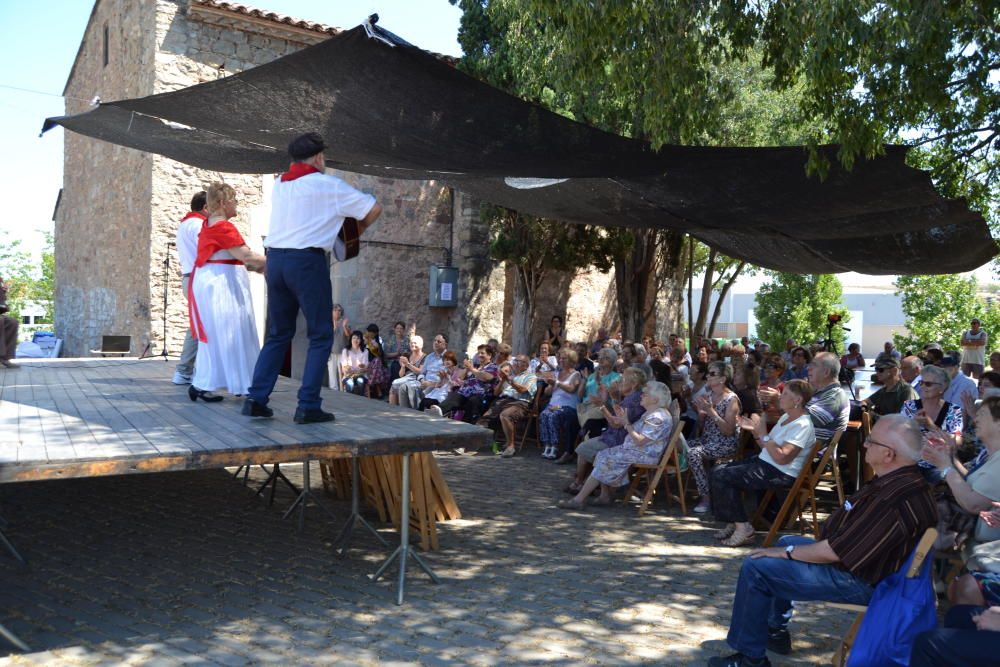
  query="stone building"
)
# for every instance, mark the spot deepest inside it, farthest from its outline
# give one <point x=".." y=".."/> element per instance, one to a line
<point x="116" y="267"/>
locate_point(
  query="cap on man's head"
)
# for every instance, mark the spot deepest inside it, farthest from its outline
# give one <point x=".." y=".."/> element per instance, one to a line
<point x="951" y="359"/>
<point x="932" y="346"/>
<point x="305" y="146"/>
<point x="891" y="362"/>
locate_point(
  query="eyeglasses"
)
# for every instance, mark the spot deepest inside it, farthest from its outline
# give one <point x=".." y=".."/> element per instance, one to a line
<point x="714" y="374"/>
<point x="925" y="383"/>
<point x="870" y="441"/>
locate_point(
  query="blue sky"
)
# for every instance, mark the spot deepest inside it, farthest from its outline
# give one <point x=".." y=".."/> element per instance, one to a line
<point x="40" y="42"/>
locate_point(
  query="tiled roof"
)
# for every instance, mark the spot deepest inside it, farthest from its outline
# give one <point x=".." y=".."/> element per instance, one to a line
<point x="266" y="15"/>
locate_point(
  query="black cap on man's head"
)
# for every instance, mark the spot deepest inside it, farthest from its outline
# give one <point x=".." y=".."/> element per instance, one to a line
<point x="305" y="146"/>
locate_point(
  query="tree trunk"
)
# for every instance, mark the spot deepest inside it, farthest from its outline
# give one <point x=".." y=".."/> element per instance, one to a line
<point x="706" y="294"/>
<point x="690" y="280"/>
<point x="635" y="269"/>
<point x="524" y="313"/>
<point x="722" y="294"/>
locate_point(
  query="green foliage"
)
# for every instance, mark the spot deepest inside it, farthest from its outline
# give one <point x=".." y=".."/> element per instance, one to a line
<point x="24" y="279"/>
<point x="939" y="308"/>
<point x="796" y="306"/>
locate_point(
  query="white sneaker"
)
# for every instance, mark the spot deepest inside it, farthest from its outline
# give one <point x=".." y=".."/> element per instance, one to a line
<point x="435" y="410"/>
<point x="180" y="378"/>
<point x="704" y="506"/>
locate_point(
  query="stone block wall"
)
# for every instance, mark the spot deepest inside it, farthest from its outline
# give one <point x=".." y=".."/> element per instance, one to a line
<point x="101" y="226"/>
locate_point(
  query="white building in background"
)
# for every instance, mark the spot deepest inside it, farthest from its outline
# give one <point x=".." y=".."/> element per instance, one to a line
<point x="876" y="314"/>
<point x="33" y="313"/>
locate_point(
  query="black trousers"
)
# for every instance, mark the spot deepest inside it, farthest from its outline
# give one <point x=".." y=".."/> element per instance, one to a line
<point x="471" y="406"/>
<point x="731" y="479"/>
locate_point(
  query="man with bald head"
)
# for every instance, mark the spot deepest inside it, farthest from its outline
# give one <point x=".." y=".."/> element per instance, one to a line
<point x="861" y="544"/>
<point x="910" y="369"/>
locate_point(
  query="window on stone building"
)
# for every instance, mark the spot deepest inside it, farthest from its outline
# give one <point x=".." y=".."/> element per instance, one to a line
<point x="106" y="46"/>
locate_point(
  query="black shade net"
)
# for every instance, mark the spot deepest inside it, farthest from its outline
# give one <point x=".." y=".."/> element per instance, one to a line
<point x="390" y="109"/>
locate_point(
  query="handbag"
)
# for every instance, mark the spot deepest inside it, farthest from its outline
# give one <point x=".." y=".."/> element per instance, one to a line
<point x="984" y="557"/>
<point x="900" y="609"/>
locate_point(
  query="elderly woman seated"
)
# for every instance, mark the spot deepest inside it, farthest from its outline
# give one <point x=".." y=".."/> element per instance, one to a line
<point x="784" y="452"/>
<point x="975" y="488"/>
<point x="644" y="442"/>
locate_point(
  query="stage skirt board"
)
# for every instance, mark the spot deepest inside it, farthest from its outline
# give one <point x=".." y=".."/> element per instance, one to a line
<point x="62" y="418"/>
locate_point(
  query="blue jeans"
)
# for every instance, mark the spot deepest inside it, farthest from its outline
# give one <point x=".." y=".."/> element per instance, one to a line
<point x="767" y="586"/>
<point x="296" y="279"/>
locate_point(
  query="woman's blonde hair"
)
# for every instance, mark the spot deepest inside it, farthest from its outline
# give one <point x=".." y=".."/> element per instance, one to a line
<point x="217" y="193"/>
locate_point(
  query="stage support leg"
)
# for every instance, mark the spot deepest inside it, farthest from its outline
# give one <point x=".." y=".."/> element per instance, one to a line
<point x="404" y="551"/>
<point x="272" y="481"/>
<point x="303" y="499"/>
<point x="355" y="518"/>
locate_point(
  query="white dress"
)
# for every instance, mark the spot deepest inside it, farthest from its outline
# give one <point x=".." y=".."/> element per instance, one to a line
<point x="222" y="295"/>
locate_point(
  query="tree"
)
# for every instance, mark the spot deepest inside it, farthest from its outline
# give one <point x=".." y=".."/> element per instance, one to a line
<point x="642" y="70"/>
<point x="17" y="271"/>
<point x="533" y="247"/>
<point x="938" y="309"/>
<point x="796" y="306"/>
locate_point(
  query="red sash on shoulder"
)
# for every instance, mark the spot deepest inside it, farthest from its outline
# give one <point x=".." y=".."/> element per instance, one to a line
<point x="213" y="238"/>
<point x="298" y="170"/>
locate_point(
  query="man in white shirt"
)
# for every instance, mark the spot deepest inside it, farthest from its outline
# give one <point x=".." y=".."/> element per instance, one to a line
<point x="307" y="214"/>
<point x="910" y="369"/>
<point x="187" y="251"/>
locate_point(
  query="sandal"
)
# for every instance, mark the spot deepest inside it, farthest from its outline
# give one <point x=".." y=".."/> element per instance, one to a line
<point x="572" y="489"/>
<point x="570" y="504"/>
<point x="739" y="539"/>
<point x="725" y="533"/>
<point x="601" y="502"/>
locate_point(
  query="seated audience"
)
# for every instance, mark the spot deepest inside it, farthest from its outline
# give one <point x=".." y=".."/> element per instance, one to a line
<point x="961" y="384"/>
<point x="746" y="381"/>
<point x="378" y="375"/>
<point x="798" y="367"/>
<point x="640" y="360"/>
<point x="449" y="378"/>
<point x="515" y="391"/>
<point x="970" y="638"/>
<point x="719" y="437"/>
<point x="598" y="345"/>
<point x="784" y="452"/>
<point x="627" y="392"/>
<point x="661" y="369"/>
<point x="893" y="393"/>
<point x="557" y="422"/>
<point x="477" y="386"/>
<point x="644" y="442"/>
<point x="594" y="393"/>
<point x="354" y="365"/>
<point x="932" y="411"/>
<point x="396" y="345"/>
<point x="910" y="368"/>
<point x="862" y="543"/>
<point x="555" y="336"/>
<point x="702" y="355"/>
<point x="774" y="367"/>
<point x="995" y="362"/>
<point x="790" y="346"/>
<point x="410" y="394"/>
<point x="545" y="361"/>
<point x="584" y="365"/>
<point x="504" y="350"/>
<point x="829" y="407"/>
<point x="409" y="368"/>
<point x="690" y="395"/>
<point x="889" y="351"/>
<point x="853" y="360"/>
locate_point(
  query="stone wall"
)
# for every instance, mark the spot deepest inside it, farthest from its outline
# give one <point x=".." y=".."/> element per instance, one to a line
<point x="101" y="226"/>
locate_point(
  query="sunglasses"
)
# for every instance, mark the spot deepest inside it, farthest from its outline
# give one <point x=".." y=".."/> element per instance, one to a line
<point x="925" y="383"/>
<point x="714" y="374"/>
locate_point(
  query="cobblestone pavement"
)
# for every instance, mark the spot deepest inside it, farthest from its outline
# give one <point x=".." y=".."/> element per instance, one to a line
<point x="189" y="568"/>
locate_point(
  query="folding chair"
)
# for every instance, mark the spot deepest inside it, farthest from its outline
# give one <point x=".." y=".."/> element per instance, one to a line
<point x="534" y="410"/>
<point x="670" y="458"/>
<point x="802" y="491"/>
<point x="924" y="547"/>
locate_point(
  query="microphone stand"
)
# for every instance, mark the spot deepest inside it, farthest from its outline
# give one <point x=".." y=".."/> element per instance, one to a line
<point x="166" y="290"/>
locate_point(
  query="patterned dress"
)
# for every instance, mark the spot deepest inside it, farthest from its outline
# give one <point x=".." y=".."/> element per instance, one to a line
<point x="611" y="465"/>
<point x="711" y="444"/>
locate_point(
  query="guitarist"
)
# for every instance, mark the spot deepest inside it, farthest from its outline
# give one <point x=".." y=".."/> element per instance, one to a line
<point x="308" y="216"/>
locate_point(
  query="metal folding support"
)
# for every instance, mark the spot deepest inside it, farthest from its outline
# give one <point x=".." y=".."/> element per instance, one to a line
<point x="13" y="639"/>
<point x="404" y="551"/>
<point x="345" y="533"/>
<point x="8" y="545"/>
<point x="303" y="499"/>
<point x="272" y="481"/>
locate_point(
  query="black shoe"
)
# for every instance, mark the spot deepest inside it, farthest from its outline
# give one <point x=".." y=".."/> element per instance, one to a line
<point x="252" y="408"/>
<point x="779" y="641"/>
<point x="737" y="660"/>
<point x="316" y="416"/>
<point x="207" y="396"/>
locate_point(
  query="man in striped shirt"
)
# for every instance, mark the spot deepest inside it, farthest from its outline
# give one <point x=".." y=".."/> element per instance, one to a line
<point x="860" y="544"/>
<point x="829" y="407"/>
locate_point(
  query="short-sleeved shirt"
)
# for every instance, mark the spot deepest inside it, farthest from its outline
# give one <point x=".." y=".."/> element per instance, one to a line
<point x="977" y="354"/>
<point x="798" y="432"/>
<point x="830" y="409"/>
<point x="308" y="212"/>
<point x="187" y="240"/>
<point x="473" y="386"/>
<point x="961" y="385"/>
<point x="429" y="370"/>
<point x="890" y="401"/>
<point x="793" y="373"/>
<point x="878" y="527"/>
<point x="606" y="380"/>
<point x="527" y="379"/>
<point x="654" y="425"/>
<point x="985" y="480"/>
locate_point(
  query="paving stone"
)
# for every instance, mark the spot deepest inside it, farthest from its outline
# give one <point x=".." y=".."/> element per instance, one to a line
<point x="133" y="568"/>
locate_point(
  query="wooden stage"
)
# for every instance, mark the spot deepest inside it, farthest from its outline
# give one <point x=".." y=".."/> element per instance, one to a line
<point x="62" y="418"/>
